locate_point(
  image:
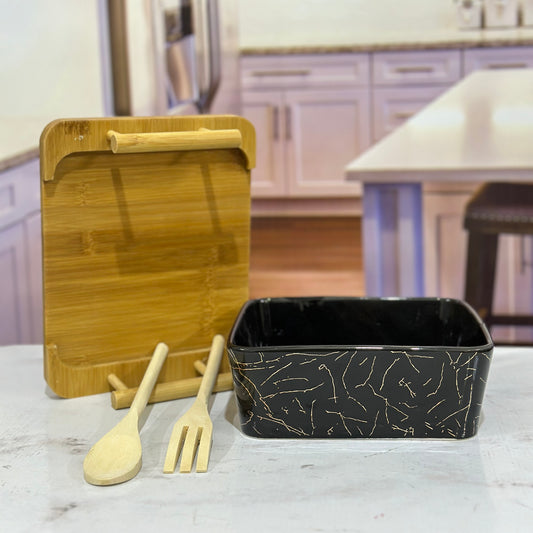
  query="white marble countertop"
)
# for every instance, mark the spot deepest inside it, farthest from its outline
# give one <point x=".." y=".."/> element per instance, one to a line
<point x="484" y="484"/>
<point x="479" y="130"/>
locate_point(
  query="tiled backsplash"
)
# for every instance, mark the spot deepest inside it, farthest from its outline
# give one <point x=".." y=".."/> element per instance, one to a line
<point x="286" y="23"/>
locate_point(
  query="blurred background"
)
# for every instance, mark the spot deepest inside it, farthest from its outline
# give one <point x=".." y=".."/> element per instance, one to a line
<point x="321" y="80"/>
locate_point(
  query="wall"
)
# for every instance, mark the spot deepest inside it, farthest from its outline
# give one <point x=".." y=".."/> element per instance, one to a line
<point x="53" y="65"/>
<point x="300" y="22"/>
<point x="50" y="62"/>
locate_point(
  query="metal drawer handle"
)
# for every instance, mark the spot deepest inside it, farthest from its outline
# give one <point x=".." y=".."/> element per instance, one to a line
<point x="496" y="66"/>
<point x="403" y="114"/>
<point x="414" y="69"/>
<point x="299" y="72"/>
<point x="288" y="123"/>
<point x="275" y="123"/>
<point x="202" y="139"/>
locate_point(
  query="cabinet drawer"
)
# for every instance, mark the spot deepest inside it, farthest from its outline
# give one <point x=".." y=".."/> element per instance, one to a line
<point x="392" y="107"/>
<point x="300" y="71"/>
<point x="497" y="58"/>
<point x="406" y="68"/>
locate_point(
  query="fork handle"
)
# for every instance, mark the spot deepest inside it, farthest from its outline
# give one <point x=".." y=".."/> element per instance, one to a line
<point x="211" y="371"/>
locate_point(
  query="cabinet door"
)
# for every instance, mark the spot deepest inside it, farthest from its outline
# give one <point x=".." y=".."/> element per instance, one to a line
<point x="445" y="240"/>
<point x="20" y="255"/>
<point x="264" y="110"/>
<point x="15" y="326"/>
<point x="324" y="130"/>
<point x="35" y="276"/>
<point x="445" y="252"/>
<point x="514" y="284"/>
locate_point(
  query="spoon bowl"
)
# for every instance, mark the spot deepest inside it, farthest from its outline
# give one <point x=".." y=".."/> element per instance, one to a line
<point x="117" y="456"/>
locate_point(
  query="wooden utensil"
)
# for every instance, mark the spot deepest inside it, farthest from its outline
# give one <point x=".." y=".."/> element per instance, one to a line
<point x="194" y="430"/>
<point x="117" y="456"/>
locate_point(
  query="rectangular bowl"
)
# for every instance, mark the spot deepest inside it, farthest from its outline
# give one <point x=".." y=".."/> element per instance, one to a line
<point x="359" y="367"/>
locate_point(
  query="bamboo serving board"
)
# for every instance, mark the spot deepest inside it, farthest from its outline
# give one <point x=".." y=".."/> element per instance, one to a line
<point x="145" y="225"/>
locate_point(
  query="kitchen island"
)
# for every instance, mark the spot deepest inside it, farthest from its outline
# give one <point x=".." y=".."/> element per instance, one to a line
<point x="261" y="485"/>
<point x="418" y="179"/>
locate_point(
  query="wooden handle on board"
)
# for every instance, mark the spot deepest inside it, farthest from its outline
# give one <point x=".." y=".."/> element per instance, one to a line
<point x="170" y="141"/>
<point x="172" y="390"/>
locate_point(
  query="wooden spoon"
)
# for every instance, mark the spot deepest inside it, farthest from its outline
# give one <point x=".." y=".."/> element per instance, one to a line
<point x="117" y="456"/>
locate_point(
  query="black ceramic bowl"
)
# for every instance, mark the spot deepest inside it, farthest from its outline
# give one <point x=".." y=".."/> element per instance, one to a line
<point x="359" y="367"/>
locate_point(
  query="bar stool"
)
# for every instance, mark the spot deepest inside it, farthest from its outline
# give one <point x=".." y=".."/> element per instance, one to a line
<point x="494" y="209"/>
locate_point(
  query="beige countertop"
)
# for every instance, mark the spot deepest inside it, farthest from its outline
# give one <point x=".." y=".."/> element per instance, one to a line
<point x="401" y="41"/>
<point x="479" y="130"/>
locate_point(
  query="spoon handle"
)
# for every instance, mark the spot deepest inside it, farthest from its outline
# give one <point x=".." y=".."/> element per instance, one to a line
<point x="149" y="378"/>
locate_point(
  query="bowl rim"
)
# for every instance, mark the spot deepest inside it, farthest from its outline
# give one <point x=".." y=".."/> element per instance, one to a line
<point x="487" y="347"/>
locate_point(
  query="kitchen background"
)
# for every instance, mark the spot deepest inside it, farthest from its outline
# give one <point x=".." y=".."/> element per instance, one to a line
<point x="54" y="64"/>
<point x="281" y="23"/>
<point x="52" y="49"/>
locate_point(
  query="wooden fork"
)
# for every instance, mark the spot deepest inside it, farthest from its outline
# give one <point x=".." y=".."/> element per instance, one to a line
<point x="194" y="430"/>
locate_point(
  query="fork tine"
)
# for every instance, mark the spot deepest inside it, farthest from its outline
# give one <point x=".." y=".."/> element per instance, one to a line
<point x="194" y="430"/>
<point x="174" y="447"/>
<point x="189" y="448"/>
<point x="204" y="449"/>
